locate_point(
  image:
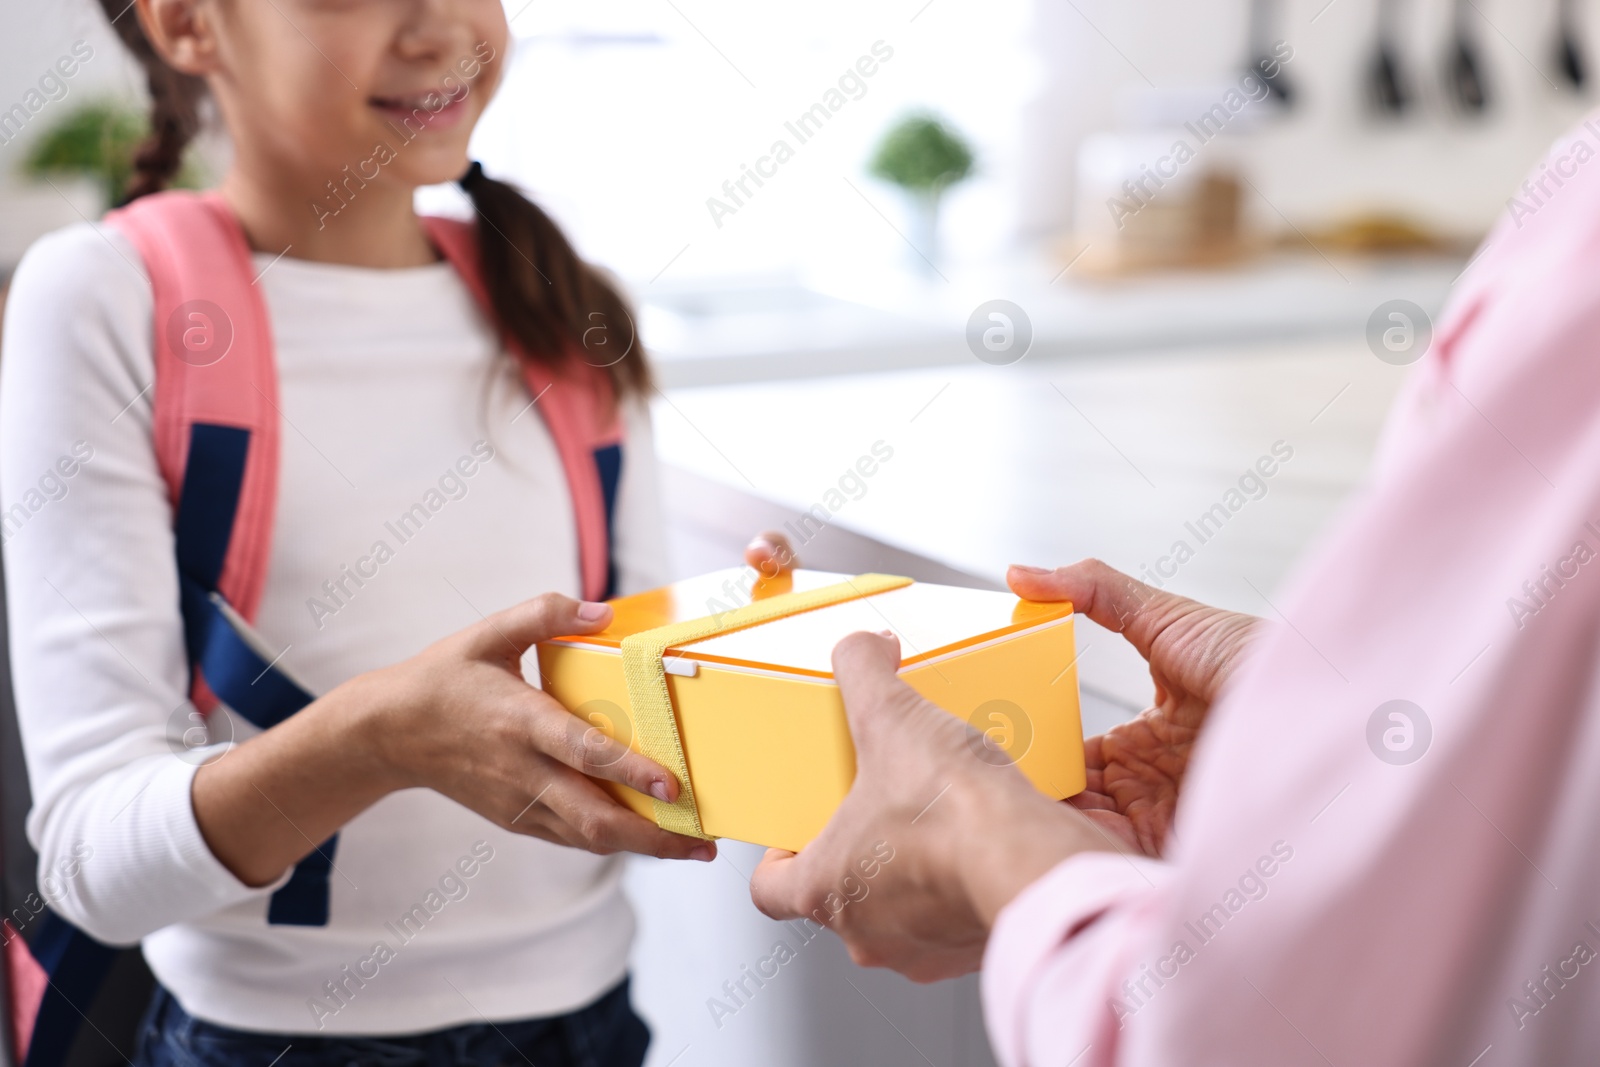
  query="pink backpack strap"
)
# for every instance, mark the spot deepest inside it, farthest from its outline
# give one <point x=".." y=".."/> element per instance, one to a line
<point x="216" y="429"/>
<point x="216" y="436"/>
<point x="214" y="367"/>
<point x="26" y="983"/>
<point x="214" y="385"/>
<point x="578" y="404"/>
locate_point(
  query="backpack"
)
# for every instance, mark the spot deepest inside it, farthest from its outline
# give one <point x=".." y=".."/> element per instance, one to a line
<point x="216" y="431"/>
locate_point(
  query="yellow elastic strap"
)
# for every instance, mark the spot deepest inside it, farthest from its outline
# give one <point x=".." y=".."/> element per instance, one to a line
<point x="654" y="723"/>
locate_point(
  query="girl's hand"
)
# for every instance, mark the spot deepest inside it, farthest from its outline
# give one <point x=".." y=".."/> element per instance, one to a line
<point x="930" y="842"/>
<point x="1137" y="768"/>
<point x="771" y="555"/>
<point x="460" y="719"/>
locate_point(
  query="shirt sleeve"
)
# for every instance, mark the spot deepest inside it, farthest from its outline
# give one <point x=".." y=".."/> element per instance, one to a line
<point x="1058" y="953"/>
<point x="1384" y="851"/>
<point x="97" y="653"/>
<point x="640" y="550"/>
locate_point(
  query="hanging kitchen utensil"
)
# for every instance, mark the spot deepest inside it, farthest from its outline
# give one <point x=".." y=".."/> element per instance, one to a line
<point x="1264" y="62"/>
<point x="1570" y="63"/>
<point x="1464" y="79"/>
<point x="1386" y="84"/>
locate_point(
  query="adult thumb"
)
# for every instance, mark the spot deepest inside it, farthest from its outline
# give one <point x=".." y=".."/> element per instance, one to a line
<point x="865" y="666"/>
<point x="1120" y="603"/>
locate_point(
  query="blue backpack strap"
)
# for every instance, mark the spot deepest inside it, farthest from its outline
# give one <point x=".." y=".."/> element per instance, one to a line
<point x="76" y="965"/>
<point x="89" y="1008"/>
<point x="239" y="676"/>
<point x="608" y="459"/>
<point x="236" y="672"/>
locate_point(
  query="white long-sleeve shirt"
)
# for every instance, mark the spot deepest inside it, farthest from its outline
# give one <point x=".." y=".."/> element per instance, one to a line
<point x="388" y="378"/>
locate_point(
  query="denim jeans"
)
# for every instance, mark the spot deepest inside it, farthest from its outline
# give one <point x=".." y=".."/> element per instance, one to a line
<point x="607" y="1033"/>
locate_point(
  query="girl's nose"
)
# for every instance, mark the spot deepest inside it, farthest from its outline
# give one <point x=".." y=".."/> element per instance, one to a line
<point x="434" y="28"/>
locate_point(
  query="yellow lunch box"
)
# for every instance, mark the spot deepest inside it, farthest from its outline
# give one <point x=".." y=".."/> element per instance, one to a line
<point x="729" y="683"/>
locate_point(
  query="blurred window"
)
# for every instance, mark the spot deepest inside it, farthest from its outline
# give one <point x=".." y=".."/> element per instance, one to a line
<point x="623" y="118"/>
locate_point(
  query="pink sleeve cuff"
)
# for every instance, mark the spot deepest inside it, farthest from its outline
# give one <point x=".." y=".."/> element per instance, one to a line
<point x="1042" y="918"/>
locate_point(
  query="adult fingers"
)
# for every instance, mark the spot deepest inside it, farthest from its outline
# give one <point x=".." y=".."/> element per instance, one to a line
<point x="1108" y="597"/>
<point x="1116" y="829"/>
<point x="512" y="632"/>
<point x="865" y="666"/>
<point x="1094" y="765"/>
<point x="1091" y="800"/>
<point x="771" y="554"/>
<point x="1094" y="752"/>
<point x="775" y="887"/>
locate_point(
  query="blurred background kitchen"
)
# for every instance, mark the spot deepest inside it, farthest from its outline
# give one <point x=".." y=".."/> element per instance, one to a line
<point x="1166" y="316"/>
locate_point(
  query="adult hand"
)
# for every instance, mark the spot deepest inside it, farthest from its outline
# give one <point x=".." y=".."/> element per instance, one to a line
<point x="931" y="841"/>
<point x="459" y="718"/>
<point x="1137" y="768"/>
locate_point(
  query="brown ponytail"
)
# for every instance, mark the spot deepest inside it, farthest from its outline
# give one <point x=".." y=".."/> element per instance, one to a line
<point x="544" y="295"/>
<point x="175" y="100"/>
<point x="551" y="302"/>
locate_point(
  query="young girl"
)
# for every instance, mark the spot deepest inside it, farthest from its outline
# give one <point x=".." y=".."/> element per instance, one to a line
<point x="465" y="912"/>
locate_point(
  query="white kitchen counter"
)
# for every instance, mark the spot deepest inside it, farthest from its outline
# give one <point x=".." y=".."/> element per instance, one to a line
<point x="1046" y="462"/>
<point x="876" y="321"/>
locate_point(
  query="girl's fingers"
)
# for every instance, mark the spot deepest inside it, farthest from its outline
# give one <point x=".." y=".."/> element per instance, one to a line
<point x="536" y="823"/>
<point x="512" y="632"/>
<point x="770" y="554"/>
<point x="588" y="749"/>
<point x="600" y="824"/>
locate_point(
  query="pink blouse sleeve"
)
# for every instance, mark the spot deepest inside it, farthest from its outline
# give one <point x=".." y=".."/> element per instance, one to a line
<point x="1053" y="963"/>
<point x="1386" y="850"/>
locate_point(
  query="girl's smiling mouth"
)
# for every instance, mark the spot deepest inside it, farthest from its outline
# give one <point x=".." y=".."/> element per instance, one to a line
<point x="430" y="109"/>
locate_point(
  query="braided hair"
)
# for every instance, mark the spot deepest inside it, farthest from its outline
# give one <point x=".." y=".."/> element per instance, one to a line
<point x="554" y="304"/>
<point x="175" y="100"/>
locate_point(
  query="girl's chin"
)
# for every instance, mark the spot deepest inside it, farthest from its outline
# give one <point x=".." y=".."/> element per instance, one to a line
<point x="441" y="167"/>
<point x="394" y="161"/>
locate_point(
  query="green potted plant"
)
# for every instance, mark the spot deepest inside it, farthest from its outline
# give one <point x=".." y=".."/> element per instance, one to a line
<point x="924" y="157"/>
<point x="97" y="140"/>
